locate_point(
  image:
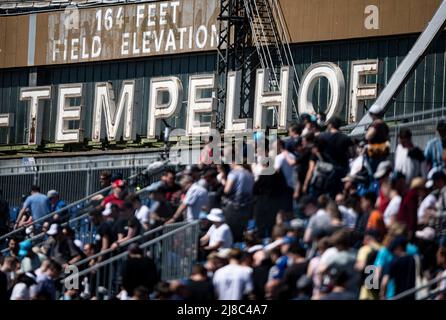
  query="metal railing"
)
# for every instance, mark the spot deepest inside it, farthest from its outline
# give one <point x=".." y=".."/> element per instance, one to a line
<point x="15" y="180"/>
<point x="430" y="293"/>
<point x="144" y="237"/>
<point x="152" y="174"/>
<point x="173" y="253"/>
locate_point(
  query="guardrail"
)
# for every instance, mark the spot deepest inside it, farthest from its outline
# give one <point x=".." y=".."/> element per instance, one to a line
<point x="415" y="290"/>
<point x="153" y="172"/>
<point x="16" y="179"/>
<point x="173" y="253"/>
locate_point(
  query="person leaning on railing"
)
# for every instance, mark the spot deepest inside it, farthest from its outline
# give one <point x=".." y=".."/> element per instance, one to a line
<point x="37" y="204"/>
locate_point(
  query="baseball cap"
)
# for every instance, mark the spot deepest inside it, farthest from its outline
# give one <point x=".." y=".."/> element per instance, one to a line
<point x="52" y="193"/>
<point x="118" y="183"/>
<point x="53" y="230"/>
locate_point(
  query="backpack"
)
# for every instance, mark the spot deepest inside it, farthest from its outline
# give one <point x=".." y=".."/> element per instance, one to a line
<point x="323" y="172"/>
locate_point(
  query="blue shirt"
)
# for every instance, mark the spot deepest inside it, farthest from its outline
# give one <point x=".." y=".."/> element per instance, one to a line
<point x="243" y="184"/>
<point x="38" y="205"/>
<point x="59" y="205"/>
<point x="433" y="153"/>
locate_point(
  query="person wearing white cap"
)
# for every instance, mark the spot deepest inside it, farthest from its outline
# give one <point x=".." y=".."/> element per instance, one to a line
<point x="219" y="235"/>
<point x="55" y="204"/>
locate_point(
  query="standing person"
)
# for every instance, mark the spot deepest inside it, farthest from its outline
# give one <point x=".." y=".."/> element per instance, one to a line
<point x="367" y="207"/>
<point x="318" y="179"/>
<point x="233" y="281"/>
<point x="408" y="213"/>
<point x="319" y="219"/>
<point x="284" y="164"/>
<point x="237" y="205"/>
<point x="408" y="157"/>
<point x="267" y="191"/>
<point x="219" y="235"/>
<point x="382" y="175"/>
<point x="434" y="149"/>
<point x="214" y="187"/>
<point x="377" y="137"/>
<point x="366" y="256"/>
<point x="4" y="215"/>
<point x="292" y="141"/>
<point x="138" y="271"/>
<point x="196" y="197"/>
<point x="199" y="287"/>
<point x="397" y="191"/>
<point x="37" y="204"/>
<point x="402" y="269"/>
<point x="337" y="146"/>
<point x="304" y="153"/>
<point x="207" y="154"/>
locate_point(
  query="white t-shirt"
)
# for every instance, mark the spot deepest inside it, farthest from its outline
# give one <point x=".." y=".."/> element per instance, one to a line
<point x="428" y="202"/>
<point x="232" y="282"/>
<point x="20" y="292"/>
<point x="392" y="209"/>
<point x="349" y="216"/>
<point x="221" y="234"/>
<point x="281" y="163"/>
<point x="143" y="214"/>
<point x="403" y="163"/>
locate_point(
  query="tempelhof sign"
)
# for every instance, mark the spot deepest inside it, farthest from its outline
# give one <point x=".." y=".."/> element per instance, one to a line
<point x="118" y="111"/>
<point x="159" y="28"/>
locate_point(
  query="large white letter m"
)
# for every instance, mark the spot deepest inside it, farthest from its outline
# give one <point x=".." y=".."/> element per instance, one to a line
<point x="104" y="101"/>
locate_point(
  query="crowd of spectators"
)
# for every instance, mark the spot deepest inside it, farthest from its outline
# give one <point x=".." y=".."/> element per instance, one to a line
<point x="336" y="219"/>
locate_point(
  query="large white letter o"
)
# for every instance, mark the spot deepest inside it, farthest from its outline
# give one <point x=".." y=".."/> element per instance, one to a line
<point x="337" y="84"/>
